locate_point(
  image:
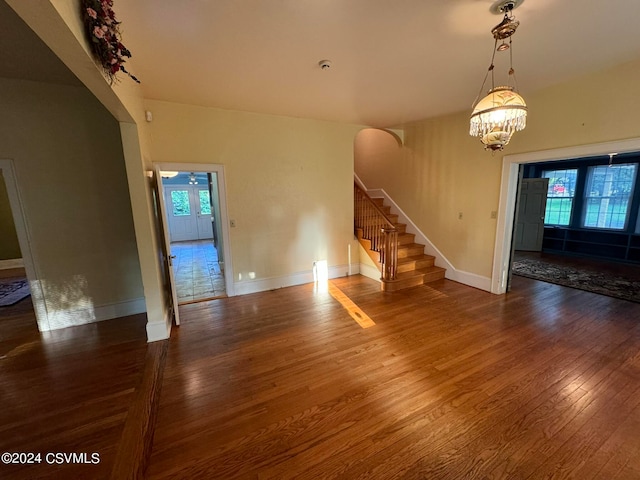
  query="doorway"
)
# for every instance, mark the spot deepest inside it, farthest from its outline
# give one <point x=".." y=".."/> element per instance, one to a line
<point x="194" y="213"/>
<point x="508" y="195"/>
<point x="16" y="266"/>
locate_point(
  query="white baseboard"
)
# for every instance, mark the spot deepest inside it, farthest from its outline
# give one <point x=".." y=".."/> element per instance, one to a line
<point x="90" y="314"/>
<point x="470" y="279"/>
<point x="120" y="309"/>
<point x="157" y="331"/>
<point x="452" y="273"/>
<point x="11" y="263"/>
<point x="370" y="272"/>
<point x="300" y="278"/>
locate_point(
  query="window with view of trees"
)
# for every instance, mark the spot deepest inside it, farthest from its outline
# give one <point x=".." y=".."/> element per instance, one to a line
<point x="180" y="202"/>
<point x="607" y="195"/>
<point x="560" y="195"/>
<point x="205" y="202"/>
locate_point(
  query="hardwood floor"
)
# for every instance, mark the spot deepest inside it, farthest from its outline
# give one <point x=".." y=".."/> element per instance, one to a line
<point x="66" y="391"/>
<point x="451" y="382"/>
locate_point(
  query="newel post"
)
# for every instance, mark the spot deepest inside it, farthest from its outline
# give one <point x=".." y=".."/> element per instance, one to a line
<point x="389" y="253"/>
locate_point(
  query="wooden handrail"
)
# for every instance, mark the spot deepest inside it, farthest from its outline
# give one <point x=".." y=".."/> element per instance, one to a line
<point x="378" y="229"/>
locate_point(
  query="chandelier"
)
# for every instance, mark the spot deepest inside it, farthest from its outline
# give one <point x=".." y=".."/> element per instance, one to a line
<point x="503" y="111"/>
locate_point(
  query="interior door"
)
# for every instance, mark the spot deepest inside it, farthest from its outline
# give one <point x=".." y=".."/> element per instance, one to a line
<point x="183" y="219"/>
<point x="532" y="203"/>
<point x="165" y="244"/>
<point x="202" y="200"/>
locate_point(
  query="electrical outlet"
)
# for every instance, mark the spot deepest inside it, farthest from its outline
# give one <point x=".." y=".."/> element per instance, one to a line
<point x="232" y="223"/>
<point x="494" y="214"/>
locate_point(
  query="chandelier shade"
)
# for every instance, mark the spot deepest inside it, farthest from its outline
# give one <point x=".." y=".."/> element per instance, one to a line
<point x="497" y="116"/>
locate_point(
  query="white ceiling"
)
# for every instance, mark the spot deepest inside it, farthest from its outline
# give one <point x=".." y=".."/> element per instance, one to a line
<point x="392" y="61"/>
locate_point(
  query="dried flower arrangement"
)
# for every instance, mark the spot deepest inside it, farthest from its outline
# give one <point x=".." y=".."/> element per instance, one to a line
<point x="104" y="37"/>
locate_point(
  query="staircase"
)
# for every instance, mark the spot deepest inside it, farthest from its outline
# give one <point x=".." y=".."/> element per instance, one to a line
<point x="411" y="267"/>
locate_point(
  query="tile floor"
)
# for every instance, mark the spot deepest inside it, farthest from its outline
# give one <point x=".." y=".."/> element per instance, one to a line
<point x="197" y="271"/>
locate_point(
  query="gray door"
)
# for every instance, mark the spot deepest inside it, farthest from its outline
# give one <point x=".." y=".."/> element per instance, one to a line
<point x="532" y="203"/>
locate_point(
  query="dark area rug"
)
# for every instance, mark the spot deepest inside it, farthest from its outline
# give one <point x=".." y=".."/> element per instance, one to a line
<point x="589" y="280"/>
<point x="13" y="290"/>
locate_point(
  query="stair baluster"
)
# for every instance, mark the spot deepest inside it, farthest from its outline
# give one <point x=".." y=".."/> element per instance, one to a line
<point x="379" y="230"/>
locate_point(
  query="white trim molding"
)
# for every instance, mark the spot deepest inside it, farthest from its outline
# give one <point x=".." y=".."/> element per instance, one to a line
<point x="509" y="189"/>
<point x="63" y="318"/>
<point x="11" y="263"/>
<point x="157" y="331"/>
<point x="272" y="283"/>
<point x="24" y="240"/>
<point x="224" y="216"/>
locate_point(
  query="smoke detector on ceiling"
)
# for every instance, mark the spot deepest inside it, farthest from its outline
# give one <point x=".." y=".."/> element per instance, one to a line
<point x="325" y="64"/>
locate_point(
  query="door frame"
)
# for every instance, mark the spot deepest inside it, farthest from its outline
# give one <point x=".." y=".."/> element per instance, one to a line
<point x="224" y="217"/>
<point x="509" y="189"/>
<point x="24" y="241"/>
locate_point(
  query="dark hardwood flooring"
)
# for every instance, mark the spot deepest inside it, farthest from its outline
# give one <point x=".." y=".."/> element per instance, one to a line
<point x="450" y="383"/>
<point x="66" y="391"/>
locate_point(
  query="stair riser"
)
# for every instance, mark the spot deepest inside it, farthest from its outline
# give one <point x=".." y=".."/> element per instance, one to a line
<point x="413" y="281"/>
<point x="406" y="238"/>
<point x="404" y="252"/>
<point x="433" y="277"/>
<point x="399" y="285"/>
<point x="410" y="266"/>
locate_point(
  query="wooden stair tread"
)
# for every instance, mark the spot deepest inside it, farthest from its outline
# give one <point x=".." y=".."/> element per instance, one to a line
<point x="420" y="271"/>
<point x="414" y="267"/>
<point x="415" y="258"/>
<point x="412" y="245"/>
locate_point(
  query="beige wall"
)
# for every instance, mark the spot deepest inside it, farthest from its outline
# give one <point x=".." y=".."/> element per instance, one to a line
<point x="69" y="164"/>
<point x="441" y="171"/>
<point x="289" y="182"/>
<point x="9" y="247"/>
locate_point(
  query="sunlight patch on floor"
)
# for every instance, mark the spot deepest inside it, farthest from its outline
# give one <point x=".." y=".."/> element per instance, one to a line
<point x="354" y="311"/>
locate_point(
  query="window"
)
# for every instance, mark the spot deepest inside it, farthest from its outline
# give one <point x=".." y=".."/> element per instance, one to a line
<point x="607" y="195"/>
<point x="205" y="202"/>
<point x="180" y="202"/>
<point x="562" y="188"/>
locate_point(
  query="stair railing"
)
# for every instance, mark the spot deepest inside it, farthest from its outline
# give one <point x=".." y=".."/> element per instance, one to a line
<point x="378" y="229"/>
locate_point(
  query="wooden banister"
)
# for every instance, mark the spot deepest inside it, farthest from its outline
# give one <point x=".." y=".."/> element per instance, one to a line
<point x="378" y="229"/>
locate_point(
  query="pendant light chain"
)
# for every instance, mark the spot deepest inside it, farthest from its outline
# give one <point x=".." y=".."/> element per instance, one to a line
<point x="489" y="70"/>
